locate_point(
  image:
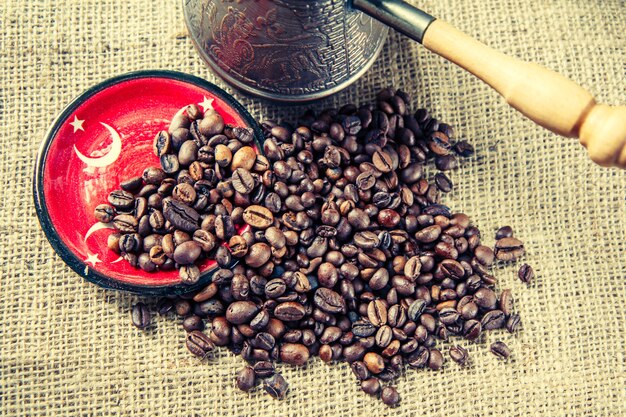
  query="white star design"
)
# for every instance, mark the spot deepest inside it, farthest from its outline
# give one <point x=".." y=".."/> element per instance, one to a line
<point x="206" y="103"/>
<point x="93" y="259"/>
<point x="77" y="124"/>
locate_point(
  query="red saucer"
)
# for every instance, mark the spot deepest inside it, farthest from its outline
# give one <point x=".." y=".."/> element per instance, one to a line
<point x="102" y="138"/>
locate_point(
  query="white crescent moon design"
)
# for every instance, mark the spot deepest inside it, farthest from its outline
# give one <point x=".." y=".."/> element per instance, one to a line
<point x="96" y="227"/>
<point x="117" y="260"/>
<point x="110" y="157"/>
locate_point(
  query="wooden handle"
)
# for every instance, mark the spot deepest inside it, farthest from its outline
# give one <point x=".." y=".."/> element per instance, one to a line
<point x="545" y="97"/>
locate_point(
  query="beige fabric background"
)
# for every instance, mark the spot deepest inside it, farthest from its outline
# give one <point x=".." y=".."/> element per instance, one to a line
<point x="68" y="348"/>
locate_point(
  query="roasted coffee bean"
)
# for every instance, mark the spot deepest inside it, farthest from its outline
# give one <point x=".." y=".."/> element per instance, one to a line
<point x="503" y="232"/>
<point x="500" y="349"/>
<point x="180" y="215"/>
<point x="493" y="319"/>
<point x="384" y="336"/>
<point x="289" y="311"/>
<point x="509" y="249"/>
<point x="246" y="379"/>
<point x="193" y="322"/>
<point x="294" y="354"/>
<point x="125" y="223"/>
<point x="377" y="312"/>
<point x="276" y="386"/>
<point x="472" y="329"/>
<point x="140" y="316"/>
<point x="443" y="182"/>
<point x="243" y="182"/>
<point x="189" y="274"/>
<point x="184" y="193"/>
<point x="459" y="355"/>
<point x="169" y="163"/>
<point x="363" y="328"/>
<point x="164" y="306"/>
<point x="485" y="298"/>
<point x="199" y="343"/>
<point x="506" y="302"/>
<point x="371" y="386"/>
<point x="428" y="234"/>
<point x="258" y="254"/>
<point x="187" y="253"/>
<point x="416" y="309"/>
<point x="390" y="396"/>
<point x="329" y="301"/>
<point x="205" y="240"/>
<point x="258" y="217"/>
<point x="526" y="274"/>
<point x="513" y="323"/>
<point x="374" y="362"/>
<point x="484" y="255"/>
<point x="121" y="199"/>
<point x="104" y="213"/>
<point x="264" y="369"/>
<point x="132" y="185"/>
<point x="240" y="312"/>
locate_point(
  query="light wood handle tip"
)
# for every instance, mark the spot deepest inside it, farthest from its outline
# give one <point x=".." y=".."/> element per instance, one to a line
<point x="603" y="133"/>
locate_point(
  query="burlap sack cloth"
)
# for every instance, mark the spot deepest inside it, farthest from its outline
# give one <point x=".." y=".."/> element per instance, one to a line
<point x="67" y="347"/>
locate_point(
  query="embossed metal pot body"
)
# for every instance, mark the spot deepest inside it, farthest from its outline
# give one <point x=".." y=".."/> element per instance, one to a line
<point x="287" y="50"/>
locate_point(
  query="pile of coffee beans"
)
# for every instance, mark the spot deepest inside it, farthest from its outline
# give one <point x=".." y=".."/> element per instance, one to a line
<point x="180" y="213"/>
<point x="349" y="255"/>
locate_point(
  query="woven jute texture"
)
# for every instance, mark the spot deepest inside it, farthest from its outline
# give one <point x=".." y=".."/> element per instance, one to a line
<point x="67" y="347"/>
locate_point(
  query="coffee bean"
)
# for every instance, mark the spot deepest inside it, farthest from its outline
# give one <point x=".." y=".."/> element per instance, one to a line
<point x="503" y="232"/>
<point x="121" y="199"/>
<point x="289" y="311"/>
<point x="264" y="369"/>
<point x="506" y="302"/>
<point x="390" y="396"/>
<point x="526" y="274"/>
<point x="199" y="343"/>
<point x="329" y="301"/>
<point x="416" y="309"/>
<point x="485" y="298"/>
<point x="187" y="253"/>
<point x="169" y="163"/>
<point x="184" y="193"/>
<point x="377" y="312"/>
<point x="484" y="255"/>
<point x="374" y="362"/>
<point x="132" y="185"/>
<point x="180" y="215"/>
<point x="459" y="355"/>
<point x="125" y="223"/>
<point x="189" y="274"/>
<point x="276" y="386"/>
<point x="371" y="386"/>
<point x="493" y="319"/>
<point x="243" y="181"/>
<point x="384" y="336"/>
<point x="500" y="349"/>
<point x="294" y="354"/>
<point x="104" y="213"/>
<point x="238" y="246"/>
<point x="258" y="217"/>
<point x="193" y="322"/>
<point x="513" y="323"/>
<point x="240" y="312"/>
<point x="205" y="240"/>
<point x="472" y="329"/>
<point x="258" y="254"/>
<point x="246" y="379"/>
<point x="363" y="328"/>
<point x="428" y="234"/>
<point x="140" y="316"/>
<point x="443" y="182"/>
<point x="509" y="249"/>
